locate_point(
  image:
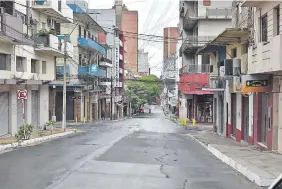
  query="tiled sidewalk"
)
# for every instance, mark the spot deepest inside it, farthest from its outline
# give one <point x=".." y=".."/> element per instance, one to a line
<point x="259" y="166"/>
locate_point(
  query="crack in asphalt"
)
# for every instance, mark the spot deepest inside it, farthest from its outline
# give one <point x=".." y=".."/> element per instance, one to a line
<point x="162" y="171"/>
<point x="162" y="162"/>
<point x="184" y="183"/>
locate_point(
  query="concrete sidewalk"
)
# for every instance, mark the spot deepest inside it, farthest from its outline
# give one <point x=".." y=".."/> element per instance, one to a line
<point x="260" y="166"/>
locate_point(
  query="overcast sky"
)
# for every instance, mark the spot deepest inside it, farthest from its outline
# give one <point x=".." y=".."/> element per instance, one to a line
<point x="165" y="14"/>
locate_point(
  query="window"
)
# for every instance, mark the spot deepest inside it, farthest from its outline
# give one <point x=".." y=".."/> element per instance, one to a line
<point x="79" y="31"/>
<point x="244" y="48"/>
<point x="5" y="62"/>
<point x="34" y="66"/>
<point x="84" y="33"/>
<point x="80" y="59"/>
<point x="234" y="53"/>
<point x="89" y="35"/>
<point x="20" y="64"/>
<point x="264" y="28"/>
<point x="44" y="64"/>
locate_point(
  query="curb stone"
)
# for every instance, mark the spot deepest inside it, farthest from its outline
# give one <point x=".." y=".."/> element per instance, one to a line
<point x="34" y="140"/>
<point x="251" y="175"/>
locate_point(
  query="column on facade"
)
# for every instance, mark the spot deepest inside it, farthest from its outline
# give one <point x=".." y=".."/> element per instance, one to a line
<point x="43" y="104"/>
<point x="29" y="105"/>
<point x="13" y="110"/>
<point x="227" y="111"/>
<point x="238" y="117"/>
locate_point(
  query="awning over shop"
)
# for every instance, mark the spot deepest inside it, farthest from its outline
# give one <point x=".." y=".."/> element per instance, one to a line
<point x="227" y="37"/>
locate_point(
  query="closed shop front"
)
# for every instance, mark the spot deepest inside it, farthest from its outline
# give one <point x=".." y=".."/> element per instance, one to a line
<point x="4" y="113"/>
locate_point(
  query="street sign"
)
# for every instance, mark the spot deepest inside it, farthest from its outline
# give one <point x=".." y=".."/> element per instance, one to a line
<point x="22" y="94"/>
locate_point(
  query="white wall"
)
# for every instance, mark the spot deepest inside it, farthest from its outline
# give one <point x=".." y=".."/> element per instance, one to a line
<point x="212" y="27"/>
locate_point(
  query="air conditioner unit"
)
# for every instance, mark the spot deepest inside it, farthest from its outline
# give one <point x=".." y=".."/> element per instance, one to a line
<point x="2" y="10"/>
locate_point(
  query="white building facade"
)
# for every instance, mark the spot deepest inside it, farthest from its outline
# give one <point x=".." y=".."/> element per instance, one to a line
<point x="28" y="52"/>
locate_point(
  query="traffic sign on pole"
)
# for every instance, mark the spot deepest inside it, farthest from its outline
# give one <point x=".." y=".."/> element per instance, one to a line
<point x="22" y="94"/>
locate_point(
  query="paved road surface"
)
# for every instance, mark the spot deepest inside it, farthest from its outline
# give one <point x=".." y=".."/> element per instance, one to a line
<point x="138" y="153"/>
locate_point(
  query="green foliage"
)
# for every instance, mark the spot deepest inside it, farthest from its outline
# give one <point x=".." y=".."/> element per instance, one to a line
<point x="144" y="90"/>
<point x="51" y="123"/>
<point x="24" y="132"/>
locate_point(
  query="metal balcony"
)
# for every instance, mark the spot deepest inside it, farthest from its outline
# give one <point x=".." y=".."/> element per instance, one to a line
<point x="192" y="43"/>
<point x="11" y="29"/>
<point x="60" y="72"/>
<point x="49" y="44"/>
<point x="91" y="71"/>
<point x="91" y="45"/>
<point x="195" y="69"/>
<point x="191" y="17"/>
<point x="54" y="9"/>
<point x="105" y="62"/>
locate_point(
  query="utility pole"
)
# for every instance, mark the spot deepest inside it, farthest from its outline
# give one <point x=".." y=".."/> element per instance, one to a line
<point x="64" y="121"/>
<point x="65" y="85"/>
<point x="111" y="97"/>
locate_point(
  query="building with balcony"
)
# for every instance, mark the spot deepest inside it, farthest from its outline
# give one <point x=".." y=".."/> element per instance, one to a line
<point x="115" y="42"/>
<point x="264" y="67"/>
<point x="28" y="59"/>
<point x="83" y="67"/>
<point x="199" y="24"/>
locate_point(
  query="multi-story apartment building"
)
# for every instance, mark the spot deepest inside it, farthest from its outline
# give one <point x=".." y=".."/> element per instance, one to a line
<point x="127" y="20"/>
<point x="264" y="67"/>
<point x="143" y="62"/>
<point x="171" y="36"/>
<point x="114" y="39"/>
<point x="200" y="22"/>
<point x="83" y="69"/>
<point x="28" y="53"/>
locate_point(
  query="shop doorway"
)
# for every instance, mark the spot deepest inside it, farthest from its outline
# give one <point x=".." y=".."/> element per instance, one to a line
<point x="233" y="113"/>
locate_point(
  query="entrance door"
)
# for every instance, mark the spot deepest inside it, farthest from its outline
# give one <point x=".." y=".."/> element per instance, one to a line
<point x="245" y="101"/>
<point x="4" y="113"/>
<point x="233" y="113"/>
<point x="263" y="118"/>
<point x="69" y="106"/>
<point x="34" y="108"/>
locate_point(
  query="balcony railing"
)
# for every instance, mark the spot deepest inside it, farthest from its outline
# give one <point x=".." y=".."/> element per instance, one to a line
<point x="54" y="10"/>
<point x="91" y="45"/>
<point x="195" y="69"/>
<point x="105" y="62"/>
<point x="192" y="43"/>
<point x="219" y="13"/>
<point x="11" y="28"/>
<point x="60" y="72"/>
<point x="91" y="71"/>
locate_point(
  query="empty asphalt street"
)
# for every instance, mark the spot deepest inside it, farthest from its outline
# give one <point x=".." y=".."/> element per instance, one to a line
<point x="137" y="153"/>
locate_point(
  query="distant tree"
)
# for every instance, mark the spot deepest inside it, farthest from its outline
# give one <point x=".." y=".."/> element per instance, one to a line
<point x="143" y="90"/>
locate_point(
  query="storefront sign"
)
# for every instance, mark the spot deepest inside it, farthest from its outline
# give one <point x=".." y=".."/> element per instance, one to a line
<point x="250" y="83"/>
<point x="255" y="83"/>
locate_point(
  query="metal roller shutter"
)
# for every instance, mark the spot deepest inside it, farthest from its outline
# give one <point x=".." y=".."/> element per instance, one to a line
<point x="4" y="113"/>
